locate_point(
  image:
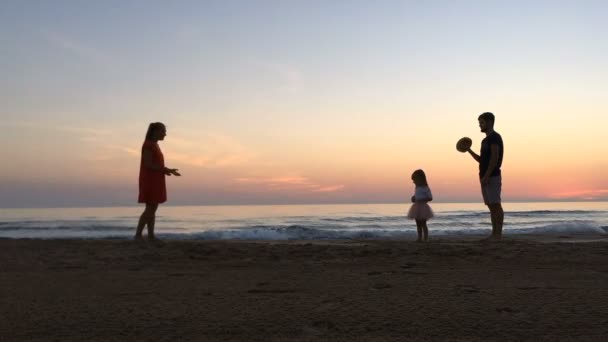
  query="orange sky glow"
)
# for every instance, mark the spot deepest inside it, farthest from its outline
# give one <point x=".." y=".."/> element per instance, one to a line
<point x="262" y="109"/>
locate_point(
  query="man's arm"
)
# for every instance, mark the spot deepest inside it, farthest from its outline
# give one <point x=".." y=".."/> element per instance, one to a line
<point x="474" y="155"/>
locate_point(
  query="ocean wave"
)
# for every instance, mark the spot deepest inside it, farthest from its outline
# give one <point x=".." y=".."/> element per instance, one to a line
<point x="313" y="230"/>
<point x="574" y="227"/>
<point x="84" y="228"/>
<point x="363" y="219"/>
<point x="306" y="233"/>
<point x="531" y="213"/>
<point x="291" y="233"/>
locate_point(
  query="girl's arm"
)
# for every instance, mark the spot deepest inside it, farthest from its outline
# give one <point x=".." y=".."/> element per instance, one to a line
<point x="425" y="195"/>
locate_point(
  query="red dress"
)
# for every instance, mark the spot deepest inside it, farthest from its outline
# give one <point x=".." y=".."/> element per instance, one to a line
<point x="152" y="188"/>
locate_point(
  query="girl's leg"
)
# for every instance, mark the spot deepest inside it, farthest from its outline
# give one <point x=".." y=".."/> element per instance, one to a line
<point x="419" y="228"/>
<point x="425" y="231"/>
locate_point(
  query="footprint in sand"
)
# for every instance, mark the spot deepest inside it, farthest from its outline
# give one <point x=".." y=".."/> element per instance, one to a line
<point x="329" y="304"/>
<point x="319" y="327"/>
<point x="381" y="286"/>
<point x="468" y="288"/>
<point x="506" y="309"/>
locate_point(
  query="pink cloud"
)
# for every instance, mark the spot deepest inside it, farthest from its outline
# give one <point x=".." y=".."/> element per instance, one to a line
<point x="582" y="194"/>
<point x="291" y="182"/>
<point x="329" y="188"/>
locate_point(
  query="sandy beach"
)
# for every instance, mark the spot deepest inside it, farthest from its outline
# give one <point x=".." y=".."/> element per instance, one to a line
<point x="530" y="288"/>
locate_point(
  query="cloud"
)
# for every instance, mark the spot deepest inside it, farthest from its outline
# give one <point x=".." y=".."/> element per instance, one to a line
<point x="87" y="133"/>
<point x="92" y="143"/>
<point x="181" y="147"/>
<point x="131" y="150"/>
<point x="290" y="182"/>
<point x="331" y="188"/>
<point x="84" y="131"/>
<point x="290" y="77"/>
<point x="78" y="48"/>
<point x="582" y="194"/>
<point x="210" y="150"/>
<point x="206" y="150"/>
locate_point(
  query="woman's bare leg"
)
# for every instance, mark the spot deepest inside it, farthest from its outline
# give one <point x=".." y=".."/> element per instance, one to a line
<point x="146" y="218"/>
<point x="151" y="219"/>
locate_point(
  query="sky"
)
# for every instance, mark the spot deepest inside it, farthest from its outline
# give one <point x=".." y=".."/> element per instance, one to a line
<point x="287" y="102"/>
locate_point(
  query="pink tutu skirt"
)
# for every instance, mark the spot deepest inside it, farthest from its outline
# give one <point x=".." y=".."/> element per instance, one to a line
<point x="420" y="211"/>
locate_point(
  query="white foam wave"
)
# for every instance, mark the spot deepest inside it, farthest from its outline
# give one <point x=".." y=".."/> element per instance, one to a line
<point x="575" y="227"/>
<point x="305" y="233"/>
<point x="302" y="232"/>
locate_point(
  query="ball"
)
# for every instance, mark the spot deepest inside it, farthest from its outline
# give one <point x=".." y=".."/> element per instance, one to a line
<point x="464" y="144"/>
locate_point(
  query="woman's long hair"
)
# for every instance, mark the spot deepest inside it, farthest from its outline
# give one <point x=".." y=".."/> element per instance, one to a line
<point x="152" y="128"/>
<point x="419" y="178"/>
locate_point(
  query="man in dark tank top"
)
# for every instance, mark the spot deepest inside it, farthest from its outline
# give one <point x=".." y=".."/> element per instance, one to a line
<point x="490" y="177"/>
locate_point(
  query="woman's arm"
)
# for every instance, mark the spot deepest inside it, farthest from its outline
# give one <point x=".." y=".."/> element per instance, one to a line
<point x="170" y="172"/>
<point x="148" y="158"/>
<point x="148" y="161"/>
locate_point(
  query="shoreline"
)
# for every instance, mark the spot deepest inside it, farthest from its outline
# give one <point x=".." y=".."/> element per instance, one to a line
<point x="525" y="288"/>
<point x="438" y="238"/>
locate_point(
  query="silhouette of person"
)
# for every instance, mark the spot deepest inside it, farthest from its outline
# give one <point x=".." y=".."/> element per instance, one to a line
<point x="152" y="172"/>
<point x="421" y="211"/>
<point x="490" y="161"/>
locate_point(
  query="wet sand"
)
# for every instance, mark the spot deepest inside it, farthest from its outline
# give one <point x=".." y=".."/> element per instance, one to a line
<point x="528" y="288"/>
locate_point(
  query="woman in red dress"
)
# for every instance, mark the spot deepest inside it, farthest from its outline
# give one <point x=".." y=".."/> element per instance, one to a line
<point x="152" y="172"/>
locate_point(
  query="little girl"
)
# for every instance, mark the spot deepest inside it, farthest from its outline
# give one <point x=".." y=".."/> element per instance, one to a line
<point x="420" y="210"/>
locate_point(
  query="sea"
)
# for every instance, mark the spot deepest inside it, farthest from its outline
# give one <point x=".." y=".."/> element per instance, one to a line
<point x="302" y="222"/>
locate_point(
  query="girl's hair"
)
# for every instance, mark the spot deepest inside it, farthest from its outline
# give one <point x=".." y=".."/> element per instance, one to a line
<point x="419" y="178"/>
<point x="153" y="127"/>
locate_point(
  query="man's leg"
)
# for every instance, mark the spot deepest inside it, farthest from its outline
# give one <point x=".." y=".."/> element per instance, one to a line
<point x="491" y="195"/>
<point x="484" y="193"/>
<point x="497" y="216"/>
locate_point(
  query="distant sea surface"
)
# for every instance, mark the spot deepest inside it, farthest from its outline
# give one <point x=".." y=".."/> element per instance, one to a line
<point x="302" y="222"/>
